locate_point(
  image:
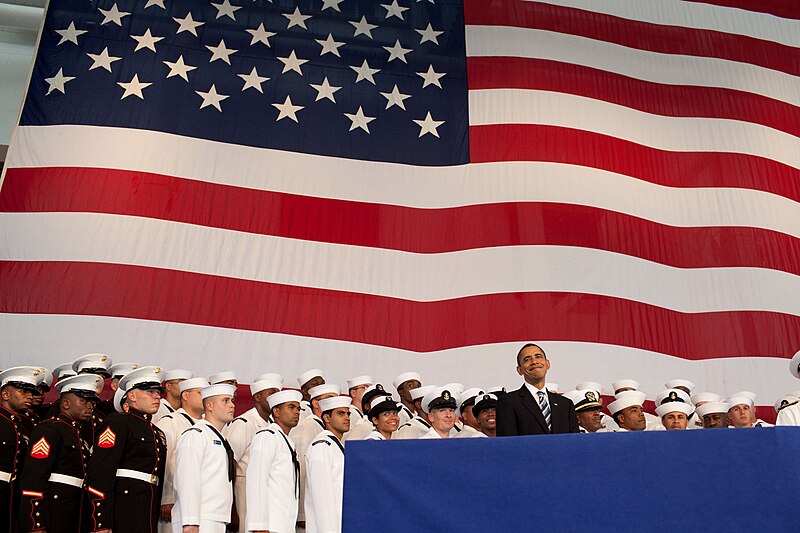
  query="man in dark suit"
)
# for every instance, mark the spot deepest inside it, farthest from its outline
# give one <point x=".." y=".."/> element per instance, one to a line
<point x="532" y="409"/>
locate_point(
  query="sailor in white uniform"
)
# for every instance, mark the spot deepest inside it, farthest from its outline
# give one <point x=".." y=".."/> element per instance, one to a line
<point x="675" y="415"/>
<point x="240" y="433"/>
<point x="173" y="425"/>
<point x="418" y="425"/>
<point x="485" y="412"/>
<point x="325" y="469"/>
<point x="371" y="395"/>
<point x="172" y="394"/>
<point x="699" y="399"/>
<point x="788" y="410"/>
<point x="273" y="475"/>
<point x="307" y="381"/>
<point x="714" y="415"/>
<point x="356" y="387"/>
<point x="606" y="421"/>
<point x="628" y="412"/>
<point x="204" y="467"/>
<point x="441" y="408"/>
<point x="405" y="383"/>
<point x="384" y="417"/>
<point x="469" y="424"/>
<point x="653" y="423"/>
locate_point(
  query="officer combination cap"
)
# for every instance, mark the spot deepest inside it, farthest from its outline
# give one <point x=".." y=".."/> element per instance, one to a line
<point x="218" y="389"/>
<point x="456" y="389"/>
<point x="308" y="375"/>
<point x="93" y="363"/>
<point x="497" y="390"/>
<point x="119" y="396"/>
<point x="590" y="385"/>
<point x="22" y="377"/>
<point x="334" y="402"/>
<point x="712" y="407"/>
<point x="145" y="378"/>
<point x="626" y="399"/>
<point x="584" y="400"/>
<point x="675" y="383"/>
<point x="178" y="373"/>
<point x="47" y="380"/>
<point x="284" y="396"/>
<point x="64" y="371"/>
<point x="120" y="369"/>
<point x="739" y="400"/>
<point x="406" y="376"/>
<point x="625" y="384"/>
<point x="193" y="383"/>
<point x="420" y="392"/>
<point x="674" y="407"/>
<point x="552" y="387"/>
<point x="468" y="397"/>
<point x="704" y="397"/>
<point x="325" y="388"/>
<point x="264" y="384"/>
<point x="439" y="398"/>
<point x="271" y="376"/>
<point x="359" y="380"/>
<point x="672" y="395"/>
<point x="385" y="403"/>
<point x="83" y="385"/>
<point x="219" y="377"/>
<point x="485" y="401"/>
<point x="373" y="392"/>
<point x="785" y="401"/>
<point x="794" y="365"/>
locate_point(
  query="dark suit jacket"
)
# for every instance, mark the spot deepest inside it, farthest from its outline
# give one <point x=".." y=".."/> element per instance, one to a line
<point x="518" y="413"/>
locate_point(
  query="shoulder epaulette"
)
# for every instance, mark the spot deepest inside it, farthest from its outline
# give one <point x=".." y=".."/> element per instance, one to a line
<point x="243" y="419"/>
<point x="167" y="416"/>
<point x="321" y="442"/>
<point x="192" y="429"/>
<point x="404" y="425"/>
<point x="265" y="429"/>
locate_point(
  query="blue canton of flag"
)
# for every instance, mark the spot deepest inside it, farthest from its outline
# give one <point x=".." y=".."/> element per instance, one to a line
<point x="349" y="78"/>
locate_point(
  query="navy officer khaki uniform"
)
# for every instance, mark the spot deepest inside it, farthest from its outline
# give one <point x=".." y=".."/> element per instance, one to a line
<point x="52" y="480"/>
<point x="13" y="448"/>
<point x="518" y="413"/>
<point x="130" y="443"/>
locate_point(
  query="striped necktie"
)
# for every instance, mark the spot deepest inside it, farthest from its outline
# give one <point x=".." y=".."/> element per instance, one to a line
<point x="545" y="407"/>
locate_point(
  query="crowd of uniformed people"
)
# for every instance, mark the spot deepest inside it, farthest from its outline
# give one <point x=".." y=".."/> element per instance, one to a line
<point x="166" y="453"/>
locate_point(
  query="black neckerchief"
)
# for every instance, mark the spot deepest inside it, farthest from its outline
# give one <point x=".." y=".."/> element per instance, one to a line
<point x="339" y="444"/>
<point x="296" y="465"/>
<point x="424" y="423"/>
<point x="228" y="452"/>
<point x="320" y="422"/>
<point x="188" y="418"/>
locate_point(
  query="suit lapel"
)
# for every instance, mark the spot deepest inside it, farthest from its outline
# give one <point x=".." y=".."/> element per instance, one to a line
<point x="533" y="406"/>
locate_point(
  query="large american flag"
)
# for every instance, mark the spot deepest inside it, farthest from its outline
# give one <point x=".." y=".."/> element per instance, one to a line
<point x="379" y="186"/>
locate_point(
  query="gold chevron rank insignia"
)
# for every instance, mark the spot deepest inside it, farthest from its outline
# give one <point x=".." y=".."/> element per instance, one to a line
<point x="40" y="450"/>
<point x="107" y="439"/>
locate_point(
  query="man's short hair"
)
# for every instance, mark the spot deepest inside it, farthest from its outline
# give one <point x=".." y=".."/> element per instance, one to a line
<point x="529" y="345"/>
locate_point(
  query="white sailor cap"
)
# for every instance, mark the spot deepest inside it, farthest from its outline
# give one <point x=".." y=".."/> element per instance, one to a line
<point x="119" y="396"/>
<point x="325" y="388"/>
<point x="120" y="369"/>
<point x="406" y="376"/>
<point x="674" y="383"/>
<point x="144" y="377"/>
<point x="739" y="400"/>
<point x="712" y="407"/>
<point x="674" y="407"/>
<point x="590" y="385"/>
<point x="785" y="401"/>
<point x="794" y="365"/>
<point x="193" y="383"/>
<point x="219" y="377"/>
<point x="746" y="394"/>
<point x="284" y="396"/>
<point x="625" y="384"/>
<point x="383" y="404"/>
<point x="308" y="375"/>
<point x="178" y="373"/>
<point x="552" y="387"/>
<point x="483" y="402"/>
<point x="584" y="400"/>
<point x="439" y="398"/>
<point x="64" y="371"/>
<point x="264" y="384"/>
<point x="84" y="385"/>
<point x="626" y="399"/>
<point x="218" y="389"/>
<point x="704" y="397"/>
<point x="672" y="395"/>
<point x="93" y="363"/>
<point x="359" y="380"/>
<point x="334" y="402"/>
<point x="271" y="376"/>
<point x="22" y="377"/>
<point x="419" y="392"/>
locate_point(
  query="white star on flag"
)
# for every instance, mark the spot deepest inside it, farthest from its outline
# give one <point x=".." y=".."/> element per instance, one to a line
<point x="431" y="77"/>
<point x="333" y="4"/>
<point x="429" y="34"/>
<point x="113" y="15"/>
<point x="359" y="120"/>
<point x="211" y="98"/>
<point x="133" y="87"/>
<point x="365" y="72"/>
<point x="292" y="63"/>
<point x="396" y="98"/>
<point x="225" y="9"/>
<point x="158" y="3"/>
<point x="253" y="80"/>
<point x="428" y="125"/>
<point x="179" y="68"/>
<point x="187" y="23"/>
<point x="397" y="52"/>
<point x="260" y="35"/>
<point x="394" y="10"/>
<point x="146" y="41"/>
<point x="329" y="45"/>
<point x="70" y="33"/>
<point x="287" y="109"/>
<point x="325" y="90"/>
<point x="296" y="18"/>
<point x="102" y="60"/>
<point x="220" y="52"/>
<point x="58" y="81"/>
<point x="363" y="27"/>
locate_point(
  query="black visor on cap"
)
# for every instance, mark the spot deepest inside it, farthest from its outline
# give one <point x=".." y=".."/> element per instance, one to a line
<point x="22" y="385"/>
<point x="149" y="385"/>
<point x="441" y="403"/>
<point x="483" y="405"/>
<point x="382" y="407"/>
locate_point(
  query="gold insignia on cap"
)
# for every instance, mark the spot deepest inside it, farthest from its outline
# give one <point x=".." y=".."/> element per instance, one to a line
<point x="134" y="366"/>
<point x="487" y="397"/>
<point x="36" y="372"/>
<point x="784" y="403"/>
<point x="98" y="379"/>
<point x="591" y="397"/>
<point x="379" y="387"/>
<point x="446" y="395"/>
<point x="673" y="395"/>
<point x="103" y="358"/>
<point x="158" y="370"/>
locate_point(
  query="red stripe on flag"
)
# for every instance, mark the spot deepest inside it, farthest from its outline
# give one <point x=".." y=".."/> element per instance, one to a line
<point x="392" y="227"/>
<point x="173" y="296"/>
<point x="633" y="34"/>
<point x="789" y="9"/>
<point x="533" y="142"/>
<point x="656" y="98"/>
